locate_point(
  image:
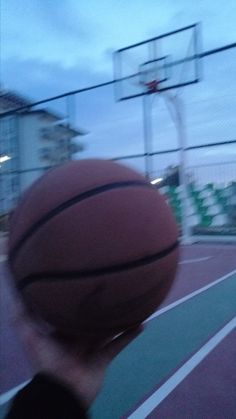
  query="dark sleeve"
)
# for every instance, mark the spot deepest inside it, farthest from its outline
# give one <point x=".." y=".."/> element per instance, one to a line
<point x="46" y="398"/>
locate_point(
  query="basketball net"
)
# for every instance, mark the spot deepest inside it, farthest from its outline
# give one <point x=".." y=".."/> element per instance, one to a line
<point x="152" y="86"/>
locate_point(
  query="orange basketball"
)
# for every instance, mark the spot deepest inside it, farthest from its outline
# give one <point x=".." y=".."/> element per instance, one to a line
<point x="93" y="248"/>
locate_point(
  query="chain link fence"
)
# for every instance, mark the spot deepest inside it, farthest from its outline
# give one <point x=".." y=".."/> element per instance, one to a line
<point x="97" y="126"/>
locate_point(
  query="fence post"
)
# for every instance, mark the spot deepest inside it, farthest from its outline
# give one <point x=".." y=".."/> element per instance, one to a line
<point x="182" y="140"/>
<point x="147" y="126"/>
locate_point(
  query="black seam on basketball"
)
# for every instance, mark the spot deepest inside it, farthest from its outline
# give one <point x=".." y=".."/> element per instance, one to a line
<point x="77" y="275"/>
<point x="67" y="204"/>
<point x="121" y="310"/>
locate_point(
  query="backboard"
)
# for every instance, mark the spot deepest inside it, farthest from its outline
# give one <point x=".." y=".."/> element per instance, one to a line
<point x="157" y="69"/>
<point x="172" y="59"/>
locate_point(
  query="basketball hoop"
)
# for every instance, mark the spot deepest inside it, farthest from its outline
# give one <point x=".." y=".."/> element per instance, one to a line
<point x="152" y="86"/>
<point x="149" y="87"/>
<point x="157" y="70"/>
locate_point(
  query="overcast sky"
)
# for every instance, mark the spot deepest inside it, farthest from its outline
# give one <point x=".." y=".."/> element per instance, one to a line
<point x="49" y="47"/>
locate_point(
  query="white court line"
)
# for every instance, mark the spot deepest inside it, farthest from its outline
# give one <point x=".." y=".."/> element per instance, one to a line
<point x="156" y="398"/>
<point x="156" y="314"/>
<point x="185" y="262"/>
<point x="189" y="296"/>
<point x="5" y="397"/>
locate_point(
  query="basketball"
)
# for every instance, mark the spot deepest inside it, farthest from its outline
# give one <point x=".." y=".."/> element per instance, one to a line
<point x="93" y="248"/>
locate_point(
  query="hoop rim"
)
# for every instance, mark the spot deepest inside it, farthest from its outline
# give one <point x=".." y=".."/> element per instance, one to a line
<point x="152" y="86"/>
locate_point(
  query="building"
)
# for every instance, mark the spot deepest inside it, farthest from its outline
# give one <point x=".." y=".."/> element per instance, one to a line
<point x="31" y="141"/>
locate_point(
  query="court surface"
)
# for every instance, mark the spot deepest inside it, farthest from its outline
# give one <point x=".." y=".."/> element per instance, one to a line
<point x="184" y="363"/>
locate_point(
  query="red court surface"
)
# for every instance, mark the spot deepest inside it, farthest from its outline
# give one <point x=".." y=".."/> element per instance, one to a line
<point x="211" y="385"/>
<point x="200" y="265"/>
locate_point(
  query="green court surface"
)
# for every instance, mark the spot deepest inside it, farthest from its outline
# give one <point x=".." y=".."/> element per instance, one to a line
<point x="3" y="411"/>
<point x="166" y="343"/>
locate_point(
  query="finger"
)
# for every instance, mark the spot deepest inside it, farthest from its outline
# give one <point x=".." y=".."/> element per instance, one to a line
<point x="17" y="313"/>
<point x="34" y="337"/>
<point x="23" y="316"/>
<point x="40" y="347"/>
<point x="29" y="331"/>
<point x="113" y="348"/>
<point x="23" y="323"/>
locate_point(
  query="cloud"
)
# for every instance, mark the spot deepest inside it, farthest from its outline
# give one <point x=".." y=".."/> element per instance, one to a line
<point x="117" y="129"/>
<point x="47" y="30"/>
<point x="71" y="32"/>
<point x="64" y="20"/>
<point x="114" y="128"/>
<point x="51" y="48"/>
<point x="40" y="79"/>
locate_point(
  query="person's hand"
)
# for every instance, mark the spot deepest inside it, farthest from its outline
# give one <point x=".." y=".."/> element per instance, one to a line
<point x="81" y="367"/>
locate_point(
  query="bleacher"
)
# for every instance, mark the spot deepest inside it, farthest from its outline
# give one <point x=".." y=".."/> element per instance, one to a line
<point x="205" y="206"/>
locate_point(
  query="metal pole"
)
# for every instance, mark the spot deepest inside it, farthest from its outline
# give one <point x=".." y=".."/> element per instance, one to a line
<point x="70" y="117"/>
<point x="182" y="140"/>
<point x="176" y="108"/>
<point x="70" y="110"/>
<point x="147" y="120"/>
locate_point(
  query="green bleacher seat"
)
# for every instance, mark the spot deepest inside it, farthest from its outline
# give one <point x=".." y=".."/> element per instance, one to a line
<point x="205" y="206"/>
